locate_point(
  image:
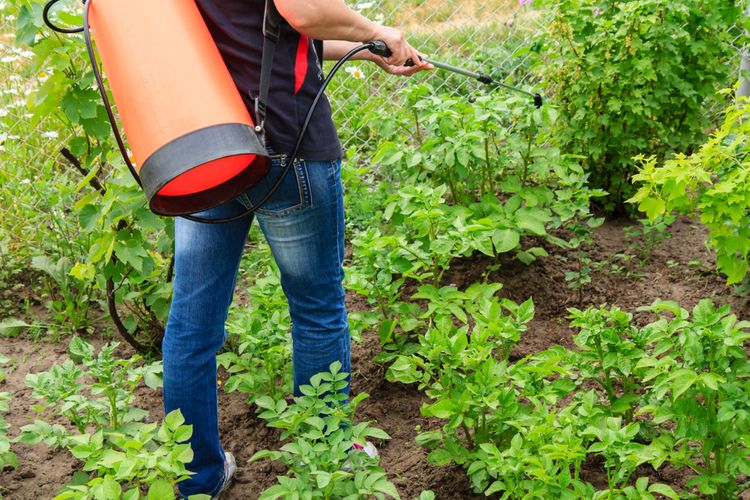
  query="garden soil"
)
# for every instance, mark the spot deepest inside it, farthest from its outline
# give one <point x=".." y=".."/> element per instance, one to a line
<point x="681" y="269"/>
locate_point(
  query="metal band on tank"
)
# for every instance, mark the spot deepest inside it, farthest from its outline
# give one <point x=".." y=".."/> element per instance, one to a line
<point x="197" y="148"/>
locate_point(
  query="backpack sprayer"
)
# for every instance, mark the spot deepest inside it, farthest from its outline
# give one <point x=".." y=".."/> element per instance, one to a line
<point x="190" y="132"/>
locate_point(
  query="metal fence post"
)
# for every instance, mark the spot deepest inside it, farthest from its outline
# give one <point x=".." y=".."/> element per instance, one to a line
<point x="744" y="88"/>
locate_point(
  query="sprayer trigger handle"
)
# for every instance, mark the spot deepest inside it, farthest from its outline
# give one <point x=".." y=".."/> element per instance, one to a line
<point x="409" y="62"/>
<point x="379" y="48"/>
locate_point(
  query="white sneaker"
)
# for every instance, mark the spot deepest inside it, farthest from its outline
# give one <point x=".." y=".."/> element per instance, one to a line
<point x="230" y="466"/>
<point x="368" y="449"/>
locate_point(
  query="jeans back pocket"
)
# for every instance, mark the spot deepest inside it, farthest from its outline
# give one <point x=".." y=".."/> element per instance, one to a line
<point x="293" y="194"/>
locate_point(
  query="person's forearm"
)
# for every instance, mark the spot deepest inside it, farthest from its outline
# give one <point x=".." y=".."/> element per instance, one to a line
<point x="333" y="20"/>
<point x="327" y="20"/>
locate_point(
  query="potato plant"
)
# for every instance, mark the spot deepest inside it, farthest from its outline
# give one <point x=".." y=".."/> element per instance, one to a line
<point x="320" y="431"/>
<point x="260" y="362"/>
<point x="90" y="389"/>
<point x="137" y="462"/>
<point x="122" y="455"/>
<point x="525" y="428"/>
<point x="699" y="375"/>
<point x="609" y="350"/>
<point x="7" y="457"/>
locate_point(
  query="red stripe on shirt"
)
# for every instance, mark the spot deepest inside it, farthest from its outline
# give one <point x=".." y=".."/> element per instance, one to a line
<point x="300" y="62"/>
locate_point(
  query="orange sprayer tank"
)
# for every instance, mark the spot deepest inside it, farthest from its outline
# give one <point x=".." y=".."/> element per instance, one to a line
<point x="190" y="132"/>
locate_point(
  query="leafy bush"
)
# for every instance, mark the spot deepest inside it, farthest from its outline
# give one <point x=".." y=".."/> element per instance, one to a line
<point x="635" y="77"/>
<point x="36" y="195"/>
<point x="321" y="432"/>
<point x="715" y="182"/>
<point x="105" y="238"/>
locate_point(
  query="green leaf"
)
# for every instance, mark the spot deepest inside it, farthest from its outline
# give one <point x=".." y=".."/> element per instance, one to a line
<point x="664" y="490"/>
<point x="534" y="226"/>
<point x="12" y="327"/>
<point x="442" y="409"/>
<point x="132" y="494"/>
<point x="88" y="216"/>
<point x="260" y="455"/>
<point x="653" y="207"/>
<point x="174" y="419"/>
<point x="525" y="257"/>
<point x="711" y="380"/>
<point x="376" y="433"/>
<point x="429" y="439"/>
<point x="681" y="380"/>
<point x="505" y="240"/>
<point x="388" y="488"/>
<point x="160" y="490"/>
<point x="79" y="350"/>
<point x="83" y="271"/>
<point x="322" y="479"/>
<point x="440" y="457"/>
<point x="387" y="327"/>
<point x="111" y="489"/>
<point x="27" y="25"/>
<point x="494" y="488"/>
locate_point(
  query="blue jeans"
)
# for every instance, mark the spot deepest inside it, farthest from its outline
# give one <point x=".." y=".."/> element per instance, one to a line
<point x="303" y="223"/>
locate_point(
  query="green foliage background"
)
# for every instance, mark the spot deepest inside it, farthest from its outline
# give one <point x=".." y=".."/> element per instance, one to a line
<point x="637" y="77"/>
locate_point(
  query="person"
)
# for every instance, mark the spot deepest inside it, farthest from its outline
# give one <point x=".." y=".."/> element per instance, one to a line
<point x="303" y="221"/>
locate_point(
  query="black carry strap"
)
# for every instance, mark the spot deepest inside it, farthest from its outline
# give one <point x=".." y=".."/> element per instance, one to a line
<point x="271" y="33"/>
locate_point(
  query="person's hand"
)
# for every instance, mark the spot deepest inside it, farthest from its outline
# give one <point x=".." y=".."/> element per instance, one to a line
<point x="401" y="51"/>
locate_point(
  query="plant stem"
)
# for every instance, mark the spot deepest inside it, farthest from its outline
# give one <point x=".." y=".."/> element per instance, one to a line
<point x="486" y="167"/>
<point x="607" y="382"/>
<point x="418" y="127"/>
<point x="470" y="440"/>
<point x="527" y="156"/>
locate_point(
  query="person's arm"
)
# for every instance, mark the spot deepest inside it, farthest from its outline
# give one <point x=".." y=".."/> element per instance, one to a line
<point x="334" y="20"/>
<point x="336" y="49"/>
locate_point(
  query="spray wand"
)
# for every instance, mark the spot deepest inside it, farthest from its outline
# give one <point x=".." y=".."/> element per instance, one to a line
<point x="378" y="47"/>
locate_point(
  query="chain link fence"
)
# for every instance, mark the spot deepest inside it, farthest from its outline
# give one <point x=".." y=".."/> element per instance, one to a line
<point x="456" y="30"/>
<point x="20" y="131"/>
<point x="489" y="36"/>
<point x="461" y="32"/>
<point x="29" y="148"/>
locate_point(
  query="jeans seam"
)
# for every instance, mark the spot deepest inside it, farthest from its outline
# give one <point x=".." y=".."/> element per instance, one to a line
<point x="339" y="236"/>
<point x="303" y="184"/>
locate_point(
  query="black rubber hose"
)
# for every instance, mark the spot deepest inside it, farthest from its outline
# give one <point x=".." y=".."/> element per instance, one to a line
<point x="292" y="157"/>
<point x="53" y="26"/>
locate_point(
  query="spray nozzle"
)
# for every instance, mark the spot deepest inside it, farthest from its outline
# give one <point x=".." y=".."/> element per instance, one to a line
<point x="378" y="47"/>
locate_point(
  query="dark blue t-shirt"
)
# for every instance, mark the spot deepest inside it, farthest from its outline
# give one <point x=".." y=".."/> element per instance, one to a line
<point x="236" y="26"/>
